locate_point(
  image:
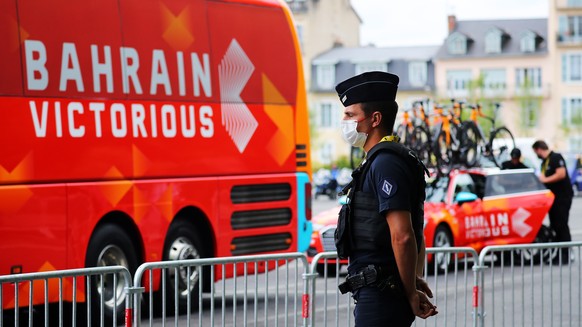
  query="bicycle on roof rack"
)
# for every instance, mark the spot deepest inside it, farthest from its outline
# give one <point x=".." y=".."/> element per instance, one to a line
<point x="497" y="145"/>
<point x="451" y="146"/>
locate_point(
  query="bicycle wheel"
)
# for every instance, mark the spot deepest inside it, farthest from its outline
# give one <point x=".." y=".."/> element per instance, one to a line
<point x="501" y="144"/>
<point x="443" y="152"/>
<point x="420" y="143"/>
<point x="404" y="133"/>
<point x="469" y="138"/>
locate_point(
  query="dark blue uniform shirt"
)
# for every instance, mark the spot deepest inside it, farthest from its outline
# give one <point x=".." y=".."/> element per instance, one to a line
<point x="391" y="180"/>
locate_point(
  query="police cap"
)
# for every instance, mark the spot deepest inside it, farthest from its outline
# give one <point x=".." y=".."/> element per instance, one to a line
<point x="368" y="87"/>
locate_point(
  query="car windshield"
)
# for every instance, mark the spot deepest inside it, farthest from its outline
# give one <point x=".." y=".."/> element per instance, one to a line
<point x="509" y="183"/>
<point x="437" y="190"/>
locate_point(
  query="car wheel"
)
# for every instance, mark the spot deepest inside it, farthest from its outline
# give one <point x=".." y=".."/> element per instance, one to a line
<point x="442" y="239"/>
<point x="536" y="256"/>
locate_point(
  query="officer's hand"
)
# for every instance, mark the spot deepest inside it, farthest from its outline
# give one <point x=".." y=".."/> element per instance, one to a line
<point x="421" y="306"/>
<point x="422" y="286"/>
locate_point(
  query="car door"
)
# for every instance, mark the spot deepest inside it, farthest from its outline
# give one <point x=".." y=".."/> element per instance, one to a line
<point x="466" y="214"/>
<point x="514" y="206"/>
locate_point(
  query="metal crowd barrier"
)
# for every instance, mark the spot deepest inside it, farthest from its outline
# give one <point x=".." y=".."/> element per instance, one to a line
<point x="263" y="304"/>
<point x="452" y="288"/>
<point x="511" y="285"/>
<point x="67" y="288"/>
<point x="530" y="285"/>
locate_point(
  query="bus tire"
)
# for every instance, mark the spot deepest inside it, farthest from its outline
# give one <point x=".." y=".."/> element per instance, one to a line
<point x="110" y="245"/>
<point x="184" y="243"/>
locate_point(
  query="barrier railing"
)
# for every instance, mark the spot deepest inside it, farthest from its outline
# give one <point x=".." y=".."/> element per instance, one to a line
<point x="45" y="280"/>
<point x="510" y="285"/>
<point x="262" y="303"/>
<point x="530" y="285"/>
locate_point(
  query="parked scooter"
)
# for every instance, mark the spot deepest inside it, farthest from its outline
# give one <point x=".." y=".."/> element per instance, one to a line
<point x="325" y="184"/>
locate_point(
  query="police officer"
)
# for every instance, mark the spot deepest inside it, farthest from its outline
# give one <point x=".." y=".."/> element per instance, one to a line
<point x="554" y="175"/>
<point x="515" y="162"/>
<point x="385" y="219"/>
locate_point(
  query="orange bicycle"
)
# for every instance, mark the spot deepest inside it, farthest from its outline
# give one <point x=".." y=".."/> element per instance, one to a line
<point x="495" y="148"/>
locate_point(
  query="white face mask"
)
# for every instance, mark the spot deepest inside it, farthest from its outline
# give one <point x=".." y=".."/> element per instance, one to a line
<point x="351" y="134"/>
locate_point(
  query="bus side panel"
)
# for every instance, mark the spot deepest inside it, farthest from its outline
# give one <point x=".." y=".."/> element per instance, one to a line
<point x="304" y="227"/>
<point x="66" y="47"/>
<point x="258" y="214"/>
<point x="266" y="39"/>
<point x="10" y="64"/>
<point x="176" y="30"/>
<point x="151" y="204"/>
<point x="32" y="233"/>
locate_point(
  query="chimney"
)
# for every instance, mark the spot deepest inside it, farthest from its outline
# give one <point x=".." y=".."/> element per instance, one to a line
<point x="452" y="23"/>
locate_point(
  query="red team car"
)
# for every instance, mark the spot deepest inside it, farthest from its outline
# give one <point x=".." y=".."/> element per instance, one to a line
<point x="470" y="207"/>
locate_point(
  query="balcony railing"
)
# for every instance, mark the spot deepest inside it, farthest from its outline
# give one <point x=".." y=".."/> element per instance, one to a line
<point x="568" y="39"/>
<point x="568" y="4"/>
<point x="509" y="92"/>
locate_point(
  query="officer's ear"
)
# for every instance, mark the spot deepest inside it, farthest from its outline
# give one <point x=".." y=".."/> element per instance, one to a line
<point x="376" y="118"/>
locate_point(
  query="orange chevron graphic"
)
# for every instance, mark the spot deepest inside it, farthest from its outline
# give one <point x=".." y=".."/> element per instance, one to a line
<point x="115" y="191"/>
<point x="13" y="198"/>
<point x="176" y="33"/>
<point x="165" y="203"/>
<point x="141" y="163"/>
<point x="23" y="171"/>
<point x="38" y="288"/>
<point x="141" y="205"/>
<point x="280" y="146"/>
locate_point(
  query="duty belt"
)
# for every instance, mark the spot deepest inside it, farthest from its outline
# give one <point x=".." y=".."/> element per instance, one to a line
<point x="368" y="276"/>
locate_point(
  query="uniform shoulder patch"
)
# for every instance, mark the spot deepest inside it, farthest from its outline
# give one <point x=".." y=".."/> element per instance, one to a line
<point x="389" y="188"/>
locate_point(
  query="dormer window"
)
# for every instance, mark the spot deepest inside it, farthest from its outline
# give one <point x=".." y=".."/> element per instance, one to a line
<point x="528" y="42"/>
<point x="457" y="44"/>
<point x="493" y="40"/>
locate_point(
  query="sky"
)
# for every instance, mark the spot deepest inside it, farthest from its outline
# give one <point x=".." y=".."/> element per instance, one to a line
<point x="388" y="23"/>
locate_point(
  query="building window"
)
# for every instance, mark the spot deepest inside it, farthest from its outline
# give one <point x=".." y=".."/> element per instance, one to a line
<point x="570" y="28"/>
<point x="572" y="112"/>
<point x="328" y="115"/>
<point x="575" y="144"/>
<point x="572" y="67"/>
<point x="326" y="153"/>
<point x="457" y="44"/>
<point x="493" y="41"/>
<point x="417" y="73"/>
<point x="528" y="42"/>
<point x="528" y="78"/>
<point x="325" y="77"/>
<point x="299" y="29"/>
<point x="458" y="82"/>
<point x="371" y="67"/>
<point x="529" y="111"/>
<point x="493" y="81"/>
<point x="574" y="3"/>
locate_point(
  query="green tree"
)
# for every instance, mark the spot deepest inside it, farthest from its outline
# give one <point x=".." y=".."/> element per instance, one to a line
<point x="529" y="106"/>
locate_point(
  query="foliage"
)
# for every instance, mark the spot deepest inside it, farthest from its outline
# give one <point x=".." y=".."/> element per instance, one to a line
<point x="529" y="107"/>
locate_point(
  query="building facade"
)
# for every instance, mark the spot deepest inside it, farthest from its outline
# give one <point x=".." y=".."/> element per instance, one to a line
<point x="413" y="65"/>
<point x="564" y="113"/>
<point x="498" y="61"/>
<point x="321" y="24"/>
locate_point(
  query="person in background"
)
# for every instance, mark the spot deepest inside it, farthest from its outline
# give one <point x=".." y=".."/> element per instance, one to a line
<point x="514" y="162"/>
<point x="554" y="175"/>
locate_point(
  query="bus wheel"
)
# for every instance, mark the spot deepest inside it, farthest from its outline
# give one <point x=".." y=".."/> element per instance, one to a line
<point x="110" y="245"/>
<point x="183" y="243"/>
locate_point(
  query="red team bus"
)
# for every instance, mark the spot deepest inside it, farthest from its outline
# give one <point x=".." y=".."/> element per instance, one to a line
<point x="137" y="130"/>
